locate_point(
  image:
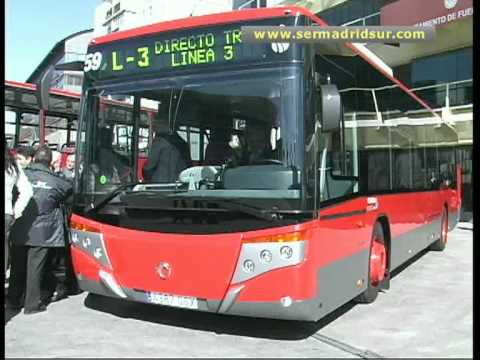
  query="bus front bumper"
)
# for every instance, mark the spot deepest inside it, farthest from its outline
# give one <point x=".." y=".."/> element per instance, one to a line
<point x="300" y="310"/>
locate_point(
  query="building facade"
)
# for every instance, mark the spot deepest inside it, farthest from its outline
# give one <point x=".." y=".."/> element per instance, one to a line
<point x="117" y="15"/>
<point x="441" y="72"/>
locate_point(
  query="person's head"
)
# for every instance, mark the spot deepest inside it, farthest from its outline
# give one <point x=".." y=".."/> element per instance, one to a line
<point x="255" y="137"/>
<point x="10" y="163"/>
<point x="24" y="155"/>
<point x="70" y="162"/>
<point x="160" y="126"/>
<point x="56" y="159"/>
<point x="43" y="156"/>
<point x="220" y="135"/>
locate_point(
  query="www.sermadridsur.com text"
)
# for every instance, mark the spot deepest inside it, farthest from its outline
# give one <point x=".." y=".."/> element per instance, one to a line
<point x="305" y="34"/>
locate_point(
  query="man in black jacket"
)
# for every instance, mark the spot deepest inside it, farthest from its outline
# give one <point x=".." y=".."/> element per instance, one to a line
<point x="168" y="156"/>
<point x="38" y="235"/>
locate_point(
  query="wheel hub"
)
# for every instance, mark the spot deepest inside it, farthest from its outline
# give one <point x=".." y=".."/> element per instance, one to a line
<point x="378" y="262"/>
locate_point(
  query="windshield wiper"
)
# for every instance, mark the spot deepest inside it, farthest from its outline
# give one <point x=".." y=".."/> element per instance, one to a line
<point x="248" y="209"/>
<point x="153" y="201"/>
<point x="108" y="197"/>
<point x="242" y="207"/>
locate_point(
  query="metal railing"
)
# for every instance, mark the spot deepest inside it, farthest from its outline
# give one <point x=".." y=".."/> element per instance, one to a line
<point x="450" y="88"/>
<point x="362" y="21"/>
<point x="435" y="89"/>
<point x="248" y="3"/>
<point x="380" y="102"/>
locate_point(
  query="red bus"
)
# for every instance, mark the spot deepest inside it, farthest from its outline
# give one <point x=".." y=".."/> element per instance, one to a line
<point x="28" y="125"/>
<point x="327" y="173"/>
<point x="32" y="127"/>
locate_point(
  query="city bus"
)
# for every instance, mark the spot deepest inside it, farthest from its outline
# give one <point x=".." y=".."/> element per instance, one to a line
<point x="332" y="173"/>
<point x="27" y="125"/>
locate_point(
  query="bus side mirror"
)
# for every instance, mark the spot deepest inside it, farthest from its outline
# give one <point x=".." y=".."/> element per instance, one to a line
<point x="331" y="108"/>
<point x="43" y="88"/>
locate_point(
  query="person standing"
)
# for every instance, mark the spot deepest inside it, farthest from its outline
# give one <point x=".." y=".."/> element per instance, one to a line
<point x="14" y="177"/>
<point x="62" y="266"/>
<point x="38" y="235"/>
<point x="24" y="155"/>
<point x="167" y="158"/>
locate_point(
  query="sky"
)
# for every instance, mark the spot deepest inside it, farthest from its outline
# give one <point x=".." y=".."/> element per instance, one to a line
<point x="32" y="28"/>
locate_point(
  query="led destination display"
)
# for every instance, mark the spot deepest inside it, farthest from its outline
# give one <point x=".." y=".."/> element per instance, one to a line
<point x="206" y="46"/>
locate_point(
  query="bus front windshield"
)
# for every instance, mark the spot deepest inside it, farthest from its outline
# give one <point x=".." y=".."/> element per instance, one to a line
<point x="233" y="134"/>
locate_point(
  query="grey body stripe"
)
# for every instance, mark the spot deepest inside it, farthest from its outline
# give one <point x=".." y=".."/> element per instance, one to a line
<point x="407" y="245"/>
<point x="337" y="282"/>
<point x="230" y="298"/>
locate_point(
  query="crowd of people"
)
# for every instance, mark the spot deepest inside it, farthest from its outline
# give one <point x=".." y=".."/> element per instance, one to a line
<point x="37" y="201"/>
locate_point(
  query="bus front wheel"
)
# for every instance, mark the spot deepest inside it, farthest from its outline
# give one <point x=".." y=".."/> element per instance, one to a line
<point x="377" y="266"/>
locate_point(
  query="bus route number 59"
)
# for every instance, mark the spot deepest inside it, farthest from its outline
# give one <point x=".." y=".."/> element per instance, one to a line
<point x="93" y="61"/>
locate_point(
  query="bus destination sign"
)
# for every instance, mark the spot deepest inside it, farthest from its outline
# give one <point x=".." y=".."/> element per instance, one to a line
<point x="174" y="51"/>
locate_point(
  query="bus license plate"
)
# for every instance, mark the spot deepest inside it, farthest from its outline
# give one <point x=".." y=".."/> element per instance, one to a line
<point x="185" y="302"/>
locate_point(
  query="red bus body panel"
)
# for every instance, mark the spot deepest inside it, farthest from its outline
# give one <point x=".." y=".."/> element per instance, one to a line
<point x="203" y="265"/>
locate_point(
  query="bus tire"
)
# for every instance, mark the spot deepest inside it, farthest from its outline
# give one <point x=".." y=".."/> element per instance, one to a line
<point x="441" y="243"/>
<point x="377" y="266"/>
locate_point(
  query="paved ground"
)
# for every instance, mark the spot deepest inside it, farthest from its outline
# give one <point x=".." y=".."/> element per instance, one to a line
<point x="426" y="313"/>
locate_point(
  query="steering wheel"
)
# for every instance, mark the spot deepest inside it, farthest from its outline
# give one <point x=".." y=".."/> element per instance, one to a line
<point x="268" y="162"/>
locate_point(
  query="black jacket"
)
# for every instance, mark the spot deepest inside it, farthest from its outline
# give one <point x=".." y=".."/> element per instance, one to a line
<point x="165" y="161"/>
<point x="42" y="222"/>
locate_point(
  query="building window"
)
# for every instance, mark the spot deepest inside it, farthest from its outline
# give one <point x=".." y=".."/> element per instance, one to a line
<point x="116" y="8"/>
<point x="431" y="71"/>
<point x="73" y="80"/>
<point x="249" y="4"/>
<point x="365" y="11"/>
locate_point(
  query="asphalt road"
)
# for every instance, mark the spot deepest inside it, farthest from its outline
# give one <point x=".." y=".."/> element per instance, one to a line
<point x="426" y="313"/>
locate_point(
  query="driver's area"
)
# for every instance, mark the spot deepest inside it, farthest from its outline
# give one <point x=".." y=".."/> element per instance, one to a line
<point x="232" y="132"/>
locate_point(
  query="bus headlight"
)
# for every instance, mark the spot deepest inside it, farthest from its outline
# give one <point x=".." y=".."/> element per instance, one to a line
<point x="266" y="256"/>
<point x="248" y="266"/>
<point x="90" y="241"/>
<point x="262" y="254"/>
<point x="286" y="252"/>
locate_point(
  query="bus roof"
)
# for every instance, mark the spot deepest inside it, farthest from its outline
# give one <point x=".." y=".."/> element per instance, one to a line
<point x="33" y="87"/>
